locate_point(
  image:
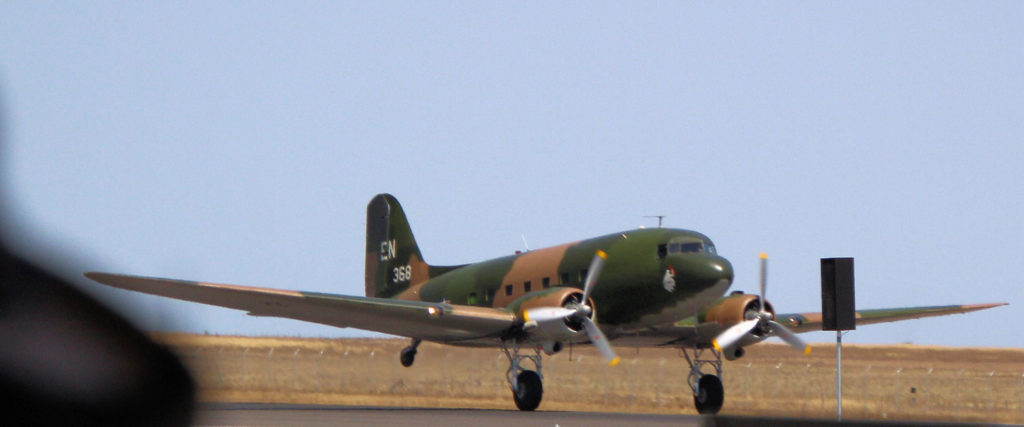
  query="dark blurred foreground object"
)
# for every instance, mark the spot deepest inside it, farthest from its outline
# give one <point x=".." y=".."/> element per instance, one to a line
<point x="67" y="360"/>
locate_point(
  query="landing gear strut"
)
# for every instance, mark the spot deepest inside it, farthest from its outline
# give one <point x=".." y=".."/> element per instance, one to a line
<point x="409" y="353"/>
<point x="526" y="385"/>
<point x="708" y="393"/>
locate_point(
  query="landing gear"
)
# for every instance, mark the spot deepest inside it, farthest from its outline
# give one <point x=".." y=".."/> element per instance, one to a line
<point x="708" y="393"/>
<point x="529" y="391"/>
<point x="526" y="385"/>
<point x="408" y="355"/>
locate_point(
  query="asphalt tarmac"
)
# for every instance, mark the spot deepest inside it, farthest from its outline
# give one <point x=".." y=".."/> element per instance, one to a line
<point x="264" y="414"/>
<point x="259" y="414"/>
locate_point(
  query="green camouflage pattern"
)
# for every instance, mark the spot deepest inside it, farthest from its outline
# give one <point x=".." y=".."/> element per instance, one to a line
<point x="631" y="285"/>
<point x="658" y="287"/>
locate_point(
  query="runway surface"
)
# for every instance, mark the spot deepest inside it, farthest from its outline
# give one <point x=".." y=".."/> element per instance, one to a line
<point x="259" y="414"/>
<point x="265" y="414"/>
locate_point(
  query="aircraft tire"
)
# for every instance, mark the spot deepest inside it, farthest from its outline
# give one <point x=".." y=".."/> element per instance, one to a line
<point x="710" y="395"/>
<point x="529" y="391"/>
<point x="408" y="356"/>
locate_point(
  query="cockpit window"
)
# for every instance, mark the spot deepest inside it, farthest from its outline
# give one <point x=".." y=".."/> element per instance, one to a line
<point x="682" y="248"/>
<point x="685" y="247"/>
<point x="691" y="247"/>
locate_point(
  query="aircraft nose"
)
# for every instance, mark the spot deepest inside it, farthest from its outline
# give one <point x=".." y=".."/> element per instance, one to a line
<point x="704" y="271"/>
<point x="720" y="269"/>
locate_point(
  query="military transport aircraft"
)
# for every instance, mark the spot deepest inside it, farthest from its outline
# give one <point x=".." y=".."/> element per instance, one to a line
<point x="640" y="288"/>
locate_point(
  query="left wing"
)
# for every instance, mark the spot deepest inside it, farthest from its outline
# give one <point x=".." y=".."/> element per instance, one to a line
<point x="440" y="322"/>
<point x="691" y="333"/>
<point x="809" y="322"/>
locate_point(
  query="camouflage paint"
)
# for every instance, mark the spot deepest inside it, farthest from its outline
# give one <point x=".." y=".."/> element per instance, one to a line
<point x="630" y="286"/>
<point x="633" y="298"/>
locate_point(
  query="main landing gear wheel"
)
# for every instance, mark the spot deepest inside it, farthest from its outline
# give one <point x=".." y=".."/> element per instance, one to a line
<point x="529" y="391"/>
<point x="525" y="384"/>
<point x="710" y="395"/>
<point x="408" y="355"/>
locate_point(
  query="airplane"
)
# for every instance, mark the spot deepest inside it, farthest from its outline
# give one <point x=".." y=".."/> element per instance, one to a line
<point x="641" y="288"/>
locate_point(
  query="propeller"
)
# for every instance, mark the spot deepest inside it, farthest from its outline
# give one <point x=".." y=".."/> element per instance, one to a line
<point x="580" y="312"/>
<point x="763" y="320"/>
<point x="583" y="310"/>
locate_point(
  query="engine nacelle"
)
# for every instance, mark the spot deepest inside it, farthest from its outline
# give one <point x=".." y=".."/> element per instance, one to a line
<point x="734" y="309"/>
<point x="552" y="330"/>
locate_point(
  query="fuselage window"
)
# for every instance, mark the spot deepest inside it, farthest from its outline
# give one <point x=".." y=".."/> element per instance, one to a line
<point x="545" y="282"/>
<point x="527" y="286"/>
<point x="472" y="298"/>
<point x="490" y="294"/>
<point x="565" y="278"/>
<point x="508" y="290"/>
<point x="662" y="251"/>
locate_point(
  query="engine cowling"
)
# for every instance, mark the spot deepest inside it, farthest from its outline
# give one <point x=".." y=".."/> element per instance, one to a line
<point x="735" y="309"/>
<point x="560" y="330"/>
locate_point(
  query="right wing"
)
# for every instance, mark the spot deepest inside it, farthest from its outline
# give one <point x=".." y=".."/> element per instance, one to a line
<point x="440" y="322"/>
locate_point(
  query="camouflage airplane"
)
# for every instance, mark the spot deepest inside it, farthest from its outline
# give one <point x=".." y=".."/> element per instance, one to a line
<point x="640" y="288"/>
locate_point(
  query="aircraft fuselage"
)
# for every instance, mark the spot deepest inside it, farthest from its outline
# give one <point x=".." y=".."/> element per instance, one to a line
<point x="652" y="277"/>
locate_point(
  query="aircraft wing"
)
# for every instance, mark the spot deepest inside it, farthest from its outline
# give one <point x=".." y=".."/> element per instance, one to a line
<point x="690" y="333"/>
<point x="440" y="322"/>
<point x="809" y="322"/>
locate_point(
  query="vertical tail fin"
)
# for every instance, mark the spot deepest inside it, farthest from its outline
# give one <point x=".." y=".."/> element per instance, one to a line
<point x="393" y="260"/>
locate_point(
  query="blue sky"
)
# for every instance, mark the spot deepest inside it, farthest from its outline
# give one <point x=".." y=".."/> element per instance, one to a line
<point x="240" y="143"/>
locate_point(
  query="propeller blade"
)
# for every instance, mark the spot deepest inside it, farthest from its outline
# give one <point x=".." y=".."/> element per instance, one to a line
<point x="732" y="335"/>
<point x="789" y="337"/>
<point x="592" y="273"/>
<point x="764" y="281"/>
<point x="600" y="341"/>
<point x="547" y="314"/>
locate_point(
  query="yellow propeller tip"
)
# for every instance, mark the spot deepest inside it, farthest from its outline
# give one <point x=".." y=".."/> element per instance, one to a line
<point x="807" y="350"/>
<point x="614" y="362"/>
<point x="714" y="343"/>
<point x="602" y="254"/>
<point x="764" y="255"/>
<point x="526" y="315"/>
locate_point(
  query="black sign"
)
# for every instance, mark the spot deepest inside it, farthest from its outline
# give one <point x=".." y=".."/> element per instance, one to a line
<point x="838" y="312"/>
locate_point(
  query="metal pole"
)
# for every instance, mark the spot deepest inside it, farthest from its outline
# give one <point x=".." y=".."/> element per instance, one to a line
<point x="839" y="375"/>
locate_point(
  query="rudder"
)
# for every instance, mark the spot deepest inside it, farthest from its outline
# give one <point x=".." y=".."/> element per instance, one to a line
<point x="393" y="260"/>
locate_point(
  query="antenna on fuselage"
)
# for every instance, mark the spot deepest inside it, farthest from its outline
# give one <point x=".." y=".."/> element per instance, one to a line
<point x="660" y="217"/>
<point x="525" y="245"/>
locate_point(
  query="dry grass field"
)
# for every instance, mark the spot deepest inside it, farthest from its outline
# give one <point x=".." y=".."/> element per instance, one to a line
<point x="882" y="382"/>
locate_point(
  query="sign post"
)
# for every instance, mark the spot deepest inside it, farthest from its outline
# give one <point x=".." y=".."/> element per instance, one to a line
<point x="838" y="311"/>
